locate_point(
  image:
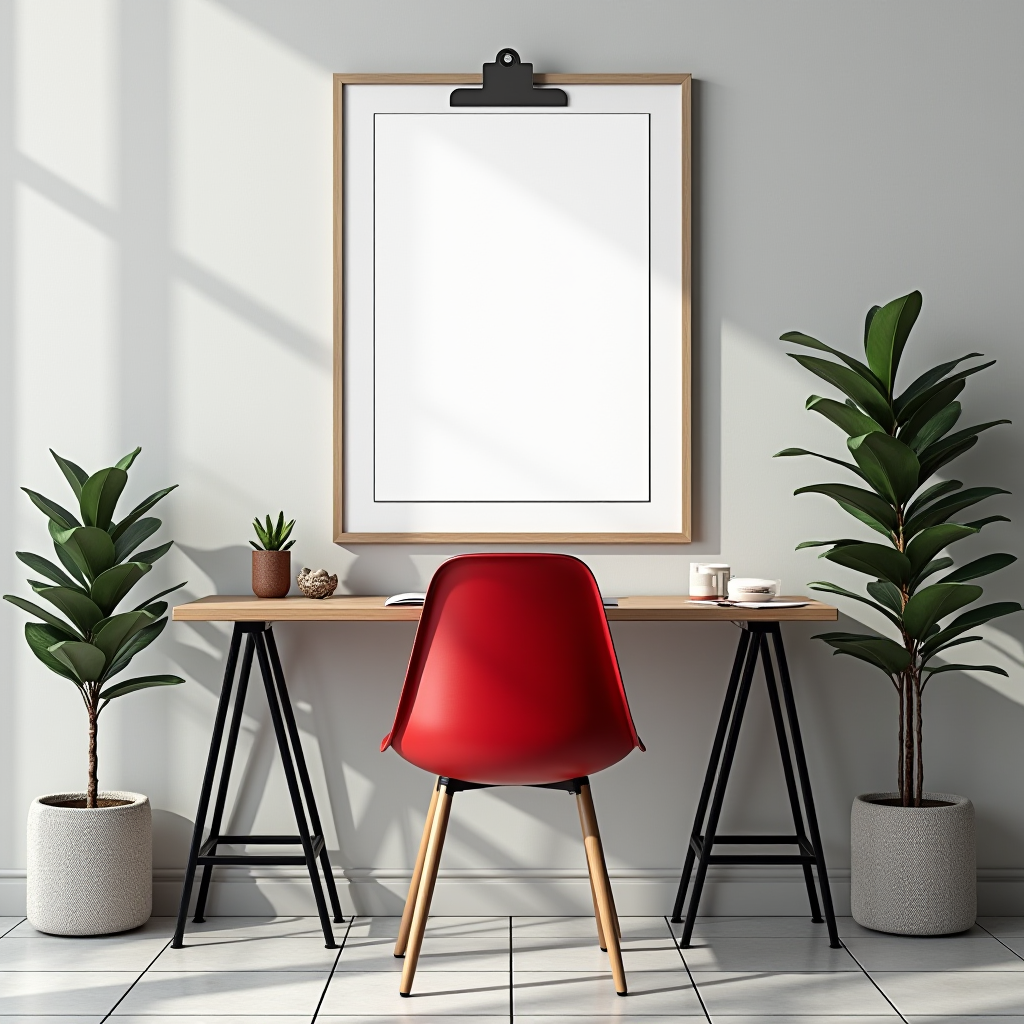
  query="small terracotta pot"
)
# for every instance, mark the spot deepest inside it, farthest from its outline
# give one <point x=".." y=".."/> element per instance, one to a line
<point x="271" y="573"/>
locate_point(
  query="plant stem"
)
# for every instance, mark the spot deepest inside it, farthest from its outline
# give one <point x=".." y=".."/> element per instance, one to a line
<point x="899" y="750"/>
<point x="91" y="798"/>
<point x="908" y="742"/>
<point x="919" y="782"/>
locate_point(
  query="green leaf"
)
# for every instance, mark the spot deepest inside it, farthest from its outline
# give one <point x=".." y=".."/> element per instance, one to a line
<point x="979" y="523"/>
<point x="853" y="384"/>
<point x="788" y="452"/>
<point x="126" y="462"/>
<point x="291" y="542"/>
<point x="823" y="543"/>
<point x="886" y="594"/>
<point x="141" y="640"/>
<point x="927" y="606"/>
<point x="920" y="435"/>
<point x="926" y="380"/>
<point x="983" y="566"/>
<point x="84" y="660"/>
<point x="65" y="558"/>
<point x="912" y="405"/>
<point x="110" y="587"/>
<point x="940" y="400"/>
<point x="866" y="501"/>
<point x="150" y="555"/>
<point x="851" y="420"/>
<point x="61" y="516"/>
<point x="875" y="560"/>
<point x="866" y="519"/>
<point x="933" y="493"/>
<point x="75" y="475"/>
<point x="69" y="632"/>
<point x="150" y="600"/>
<point x="113" y="633"/>
<point x="948" y="644"/>
<point x="82" y="611"/>
<point x="945" y="450"/>
<point x="138" y="683"/>
<point x="155" y="608"/>
<point x="928" y="543"/>
<point x="139" y="511"/>
<point x="879" y="651"/>
<point x="934" y="566"/>
<point x="797" y="338"/>
<point x="46" y="568"/>
<point x="889" y="465"/>
<point x="867" y="321"/>
<point x="830" y="588"/>
<point x="967" y="668"/>
<point x="134" y="536"/>
<point x="887" y="336"/>
<point x="40" y="639"/>
<point x="91" y="549"/>
<point x="962" y="623"/>
<point x="939" y="511"/>
<point x="100" y="494"/>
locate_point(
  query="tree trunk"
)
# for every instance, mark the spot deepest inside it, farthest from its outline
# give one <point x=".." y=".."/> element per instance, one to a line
<point x="907" y="794"/>
<point x="918" y="736"/>
<point x="901" y="783"/>
<point x="91" y="797"/>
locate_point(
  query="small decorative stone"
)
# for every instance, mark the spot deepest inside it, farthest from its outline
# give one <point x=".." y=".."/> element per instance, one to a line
<point x="316" y="584"/>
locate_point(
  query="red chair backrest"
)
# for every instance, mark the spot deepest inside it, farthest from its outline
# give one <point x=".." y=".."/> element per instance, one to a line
<point x="513" y="678"/>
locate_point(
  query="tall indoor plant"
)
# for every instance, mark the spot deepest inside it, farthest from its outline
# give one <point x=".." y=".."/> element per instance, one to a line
<point x="898" y="443"/>
<point x="90" y="874"/>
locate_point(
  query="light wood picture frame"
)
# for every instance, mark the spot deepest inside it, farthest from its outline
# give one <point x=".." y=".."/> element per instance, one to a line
<point x="359" y="426"/>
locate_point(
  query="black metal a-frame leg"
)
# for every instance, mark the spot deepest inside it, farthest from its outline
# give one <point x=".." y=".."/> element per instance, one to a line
<point x="753" y="646"/>
<point x="259" y="641"/>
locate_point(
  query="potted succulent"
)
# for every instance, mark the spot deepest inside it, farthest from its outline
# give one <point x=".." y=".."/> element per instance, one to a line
<point x="272" y="561"/>
<point x="913" y="859"/>
<point x="90" y="854"/>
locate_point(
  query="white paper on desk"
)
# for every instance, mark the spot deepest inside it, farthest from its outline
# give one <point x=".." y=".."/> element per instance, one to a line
<point x="410" y="598"/>
<point x="769" y="604"/>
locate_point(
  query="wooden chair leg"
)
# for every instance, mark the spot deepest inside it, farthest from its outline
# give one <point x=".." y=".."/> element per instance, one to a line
<point x="597" y="913"/>
<point x="601" y="886"/>
<point x="414" y="882"/>
<point x="438" y="828"/>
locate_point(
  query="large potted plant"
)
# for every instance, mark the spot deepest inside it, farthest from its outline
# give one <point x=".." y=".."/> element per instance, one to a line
<point x="913" y="859"/>
<point x="90" y="853"/>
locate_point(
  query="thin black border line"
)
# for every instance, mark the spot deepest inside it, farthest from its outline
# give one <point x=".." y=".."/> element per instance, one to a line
<point x="686" y="967"/>
<point x="20" y="921"/>
<point x="373" y="298"/>
<point x="334" y="967"/>
<point x="872" y="980"/>
<point x="1000" y="941"/>
<point x="511" y="976"/>
<point x="124" y="995"/>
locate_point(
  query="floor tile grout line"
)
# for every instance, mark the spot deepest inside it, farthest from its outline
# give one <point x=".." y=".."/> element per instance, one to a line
<point x="20" y="921"/>
<point x="334" y="967"/>
<point x="873" y="982"/>
<point x="686" y="967"/>
<point x="511" y="976"/>
<point x="136" y="981"/>
<point x="1000" y="941"/>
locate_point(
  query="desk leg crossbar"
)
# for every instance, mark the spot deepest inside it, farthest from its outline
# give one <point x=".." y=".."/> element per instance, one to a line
<point x="753" y="645"/>
<point x="259" y="641"/>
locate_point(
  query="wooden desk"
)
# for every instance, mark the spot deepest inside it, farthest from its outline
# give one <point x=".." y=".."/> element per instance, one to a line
<point x="254" y="616"/>
<point x="671" y="608"/>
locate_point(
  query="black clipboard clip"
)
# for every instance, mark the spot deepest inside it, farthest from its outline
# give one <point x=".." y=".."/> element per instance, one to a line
<point x="508" y="82"/>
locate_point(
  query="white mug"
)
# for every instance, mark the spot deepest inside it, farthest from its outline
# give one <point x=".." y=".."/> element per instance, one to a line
<point x="709" y="581"/>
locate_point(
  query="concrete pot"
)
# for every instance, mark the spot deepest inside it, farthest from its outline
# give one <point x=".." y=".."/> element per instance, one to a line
<point x="90" y="870"/>
<point x="912" y="869"/>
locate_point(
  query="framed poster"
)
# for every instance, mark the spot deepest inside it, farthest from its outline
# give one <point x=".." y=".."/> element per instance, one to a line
<point x="512" y="312"/>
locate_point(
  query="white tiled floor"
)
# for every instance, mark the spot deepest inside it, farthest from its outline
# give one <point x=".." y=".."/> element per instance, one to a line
<point x="476" y="970"/>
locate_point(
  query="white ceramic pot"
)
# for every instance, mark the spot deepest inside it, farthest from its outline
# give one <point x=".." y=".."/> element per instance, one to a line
<point x="912" y="869"/>
<point x="90" y="870"/>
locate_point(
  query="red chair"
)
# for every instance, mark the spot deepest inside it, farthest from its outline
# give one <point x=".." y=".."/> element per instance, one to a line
<point x="512" y="681"/>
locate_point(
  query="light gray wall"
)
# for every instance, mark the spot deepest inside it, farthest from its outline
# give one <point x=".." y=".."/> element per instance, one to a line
<point x="165" y="280"/>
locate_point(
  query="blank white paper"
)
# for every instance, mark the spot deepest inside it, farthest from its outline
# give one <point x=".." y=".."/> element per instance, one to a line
<point x="511" y="307"/>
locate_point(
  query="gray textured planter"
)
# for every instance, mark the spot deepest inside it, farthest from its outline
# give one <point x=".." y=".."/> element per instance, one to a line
<point x="90" y="871"/>
<point x="912" y="869"/>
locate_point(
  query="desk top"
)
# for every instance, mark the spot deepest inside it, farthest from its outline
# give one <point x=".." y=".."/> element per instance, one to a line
<point x="669" y="608"/>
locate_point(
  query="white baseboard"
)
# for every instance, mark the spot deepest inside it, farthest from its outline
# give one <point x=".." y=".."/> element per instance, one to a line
<point x="729" y="891"/>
